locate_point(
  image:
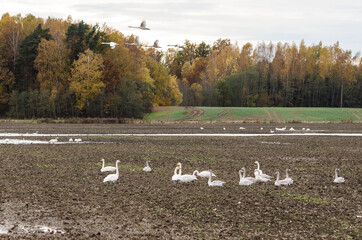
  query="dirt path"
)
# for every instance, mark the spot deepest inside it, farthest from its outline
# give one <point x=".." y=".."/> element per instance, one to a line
<point x="357" y="116"/>
<point x="223" y="113"/>
<point x="194" y="114"/>
<point x="277" y="118"/>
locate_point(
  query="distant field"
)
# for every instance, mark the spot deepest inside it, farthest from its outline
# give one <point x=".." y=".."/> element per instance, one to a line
<point x="260" y="114"/>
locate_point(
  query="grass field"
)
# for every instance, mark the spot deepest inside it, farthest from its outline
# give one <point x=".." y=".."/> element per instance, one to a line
<point x="262" y="114"/>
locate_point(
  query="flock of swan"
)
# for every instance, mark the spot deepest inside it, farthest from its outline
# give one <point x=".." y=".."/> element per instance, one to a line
<point x="243" y="180"/>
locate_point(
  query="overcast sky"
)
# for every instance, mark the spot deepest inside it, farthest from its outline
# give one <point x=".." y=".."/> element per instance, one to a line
<point x="241" y="21"/>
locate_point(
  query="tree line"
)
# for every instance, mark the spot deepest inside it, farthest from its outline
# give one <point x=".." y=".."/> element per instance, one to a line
<point x="60" y="68"/>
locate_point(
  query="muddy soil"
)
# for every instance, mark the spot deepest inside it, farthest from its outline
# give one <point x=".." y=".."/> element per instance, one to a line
<point x="56" y="191"/>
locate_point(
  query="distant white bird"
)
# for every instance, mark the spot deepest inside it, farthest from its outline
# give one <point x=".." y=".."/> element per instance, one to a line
<point x="259" y="177"/>
<point x="291" y="129"/>
<point x="147" y="168"/>
<point x="53" y="140"/>
<point x="142" y="26"/>
<point x="177" y="45"/>
<point x="280" y="182"/>
<point x="111" y="44"/>
<point x="308" y="129"/>
<point x="303" y="129"/>
<point x="241" y="128"/>
<point x="77" y="140"/>
<point x="108" y="168"/>
<point x="271" y="131"/>
<point x="70" y="139"/>
<point x="338" y="179"/>
<point x="112" y="177"/>
<point x="155" y="44"/>
<point x="281" y="129"/>
<point x="203" y="174"/>
<point x="287" y="178"/>
<point x="261" y="128"/>
<point x="243" y="169"/>
<point x="260" y="172"/>
<point x="224" y="129"/>
<point x="243" y="181"/>
<point x="201" y="128"/>
<point x="185" y="177"/>
<point x="176" y="175"/>
<point x="216" y="183"/>
<point x="136" y="42"/>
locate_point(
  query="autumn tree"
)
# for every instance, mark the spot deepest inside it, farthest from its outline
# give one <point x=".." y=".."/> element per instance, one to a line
<point x="86" y="78"/>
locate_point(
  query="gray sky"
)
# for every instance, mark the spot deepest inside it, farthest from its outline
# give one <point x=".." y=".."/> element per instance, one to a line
<point x="241" y="21"/>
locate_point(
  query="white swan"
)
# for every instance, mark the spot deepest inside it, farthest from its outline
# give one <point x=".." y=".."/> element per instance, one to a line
<point x="108" y="168"/>
<point x="111" y="44"/>
<point x="241" y="128"/>
<point x="280" y="182"/>
<point x="142" y="26"/>
<point x="187" y="177"/>
<point x="338" y="179"/>
<point x="70" y="139"/>
<point x="243" y="181"/>
<point x="259" y="177"/>
<point x="77" y="140"/>
<point x="136" y="42"/>
<point x="112" y="177"/>
<point x="216" y="183"/>
<point x="260" y="173"/>
<point x="176" y="176"/>
<point x="287" y="178"/>
<point x="147" y="168"/>
<point x="248" y="178"/>
<point x="281" y="129"/>
<point x="53" y="140"/>
<point x="203" y="174"/>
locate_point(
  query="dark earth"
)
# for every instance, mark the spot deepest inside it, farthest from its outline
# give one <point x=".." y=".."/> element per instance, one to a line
<point x="61" y="186"/>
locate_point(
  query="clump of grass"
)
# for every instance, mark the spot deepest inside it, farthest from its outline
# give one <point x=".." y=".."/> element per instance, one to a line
<point x="306" y="198"/>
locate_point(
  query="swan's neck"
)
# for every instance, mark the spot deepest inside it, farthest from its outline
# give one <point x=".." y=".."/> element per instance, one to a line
<point x="147" y="164"/>
<point x="175" y="172"/>
<point x="196" y="172"/>
<point x="210" y="177"/>
<point x="244" y="173"/>
<point x="257" y="163"/>
<point x="277" y="176"/>
<point x="336" y="173"/>
<point x="286" y="173"/>
<point x="117" y="173"/>
<point x="180" y="170"/>
<point x="103" y="164"/>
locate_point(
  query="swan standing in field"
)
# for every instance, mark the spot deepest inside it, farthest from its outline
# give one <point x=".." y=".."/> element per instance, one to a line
<point x="70" y="139"/>
<point x="243" y="181"/>
<point x="216" y="183"/>
<point x="203" y="174"/>
<point x="147" y="168"/>
<point x="201" y="128"/>
<point x="111" y="44"/>
<point x="271" y="131"/>
<point x="260" y="172"/>
<point x="280" y="182"/>
<point x="338" y="179"/>
<point x="108" y="168"/>
<point x="142" y="26"/>
<point x="287" y="178"/>
<point x="281" y="129"/>
<point x="112" y="177"/>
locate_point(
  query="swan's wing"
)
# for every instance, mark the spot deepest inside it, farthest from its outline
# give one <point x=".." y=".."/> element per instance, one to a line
<point x="143" y="24"/>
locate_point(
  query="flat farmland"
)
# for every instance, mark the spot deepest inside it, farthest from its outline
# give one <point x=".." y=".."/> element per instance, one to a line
<point x="57" y="190"/>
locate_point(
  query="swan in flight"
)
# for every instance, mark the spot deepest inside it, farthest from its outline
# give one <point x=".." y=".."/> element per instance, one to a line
<point x="112" y="177"/>
<point x="243" y="181"/>
<point x="203" y="174"/>
<point x="136" y="42"/>
<point x="142" y="26"/>
<point x="111" y="44"/>
<point x="155" y="45"/>
<point x="147" y="168"/>
<point x="281" y="182"/>
<point x="336" y="178"/>
<point x="108" y="168"/>
<point x="287" y="178"/>
<point x="260" y="172"/>
<point x="216" y="183"/>
<point x="177" y="45"/>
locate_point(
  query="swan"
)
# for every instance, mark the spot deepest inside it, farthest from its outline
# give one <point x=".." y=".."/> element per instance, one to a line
<point x="136" y="42"/>
<point x="142" y="26"/>
<point x="224" y="129"/>
<point x="243" y="181"/>
<point x="271" y="131"/>
<point x="53" y="140"/>
<point x="112" y="177"/>
<point x="176" y="176"/>
<point x="177" y="45"/>
<point x="281" y="129"/>
<point x="203" y="174"/>
<point x="287" y="178"/>
<point x="77" y="140"/>
<point x="259" y="177"/>
<point x="147" y="168"/>
<point x="247" y="178"/>
<point x="201" y="128"/>
<point x="241" y="128"/>
<point x="111" y="44"/>
<point x="291" y="129"/>
<point x="280" y="182"/>
<point x="216" y="183"/>
<point x="108" y="168"/>
<point x="259" y="172"/>
<point x="70" y="139"/>
<point x="185" y="177"/>
<point x="338" y="179"/>
<point x="261" y="128"/>
<point x="155" y="45"/>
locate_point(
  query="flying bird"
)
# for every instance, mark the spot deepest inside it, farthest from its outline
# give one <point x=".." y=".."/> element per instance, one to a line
<point x="142" y="26"/>
<point x="111" y="44"/>
<point x="136" y="42"/>
<point x="177" y="45"/>
<point x="155" y="45"/>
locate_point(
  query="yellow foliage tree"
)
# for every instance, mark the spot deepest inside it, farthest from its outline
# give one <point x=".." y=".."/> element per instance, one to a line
<point x="86" y="78"/>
